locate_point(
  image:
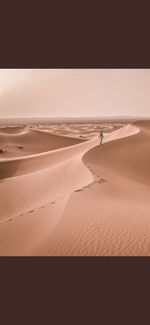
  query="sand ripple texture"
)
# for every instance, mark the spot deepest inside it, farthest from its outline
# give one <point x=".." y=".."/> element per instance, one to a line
<point x="76" y="198"/>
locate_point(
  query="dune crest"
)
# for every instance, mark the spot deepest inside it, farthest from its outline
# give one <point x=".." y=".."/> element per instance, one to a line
<point x="31" y="142"/>
<point x="80" y="199"/>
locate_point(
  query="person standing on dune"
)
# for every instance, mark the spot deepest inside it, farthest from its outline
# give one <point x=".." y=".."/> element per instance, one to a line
<point x="101" y="136"/>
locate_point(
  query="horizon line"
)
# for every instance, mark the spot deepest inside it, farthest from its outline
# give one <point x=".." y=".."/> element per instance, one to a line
<point x="73" y="117"/>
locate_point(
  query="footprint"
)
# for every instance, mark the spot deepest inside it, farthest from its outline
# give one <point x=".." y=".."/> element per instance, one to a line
<point x="9" y="220"/>
<point x="21" y="215"/>
<point x="102" y="180"/>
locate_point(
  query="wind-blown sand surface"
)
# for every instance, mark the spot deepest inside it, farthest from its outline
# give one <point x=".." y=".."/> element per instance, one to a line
<point x="66" y="196"/>
<point x="25" y="141"/>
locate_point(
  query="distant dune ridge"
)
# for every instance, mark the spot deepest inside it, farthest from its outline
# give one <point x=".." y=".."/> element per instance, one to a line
<point x="64" y="194"/>
<point x="33" y="141"/>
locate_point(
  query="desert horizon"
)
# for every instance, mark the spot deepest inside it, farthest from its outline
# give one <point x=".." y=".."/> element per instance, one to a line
<point x="74" y="185"/>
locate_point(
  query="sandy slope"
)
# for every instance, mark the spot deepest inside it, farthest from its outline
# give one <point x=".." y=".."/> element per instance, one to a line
<point x="37" y="151"/>
<point x="18" y="142"/>
<point x="112" y="215"/>
<point x="83" y="200"/>
<point x="32" y="203"/>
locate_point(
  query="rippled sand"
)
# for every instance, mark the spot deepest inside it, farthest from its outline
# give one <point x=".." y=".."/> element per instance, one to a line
<point x="64" y="194"/>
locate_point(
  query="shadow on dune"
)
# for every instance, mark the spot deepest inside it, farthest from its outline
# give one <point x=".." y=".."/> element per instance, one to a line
<point x="40" y="152"/>
<point x="8" y="169"/>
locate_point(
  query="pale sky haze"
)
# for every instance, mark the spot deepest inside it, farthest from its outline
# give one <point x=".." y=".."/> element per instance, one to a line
<point x="74" y="92"/>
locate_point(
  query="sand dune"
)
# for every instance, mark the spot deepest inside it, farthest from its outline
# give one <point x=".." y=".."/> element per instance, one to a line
<point x="25" y="141"/>
<point x="110" y="216"/>
<point x="37" y="192"/>
<point x="126" y="157"/>
<point x="11" y="130"/>
<point x="36" y="150"/>
<point x="79" y="198"/>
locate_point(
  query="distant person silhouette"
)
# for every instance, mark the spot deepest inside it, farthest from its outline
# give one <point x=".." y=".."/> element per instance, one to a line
<point x="101" y="135"/>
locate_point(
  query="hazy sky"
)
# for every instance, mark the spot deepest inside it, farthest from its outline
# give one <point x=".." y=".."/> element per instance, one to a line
<point x="74" y="92"/>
